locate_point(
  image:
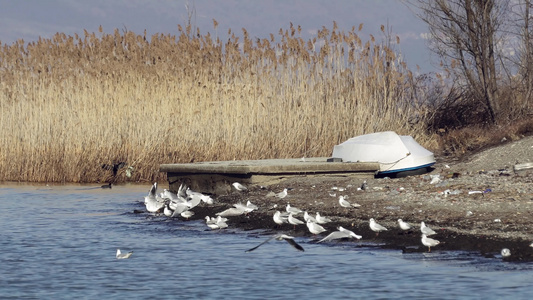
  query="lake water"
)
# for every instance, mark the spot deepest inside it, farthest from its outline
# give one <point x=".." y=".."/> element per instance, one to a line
<point x="59" y="242"/>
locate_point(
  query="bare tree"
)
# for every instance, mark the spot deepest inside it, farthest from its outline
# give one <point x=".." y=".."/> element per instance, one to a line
<point x="464" y="33"/>
<point x="523" y="28"/>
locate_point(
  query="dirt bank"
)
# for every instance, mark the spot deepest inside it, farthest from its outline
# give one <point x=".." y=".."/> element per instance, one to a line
<point x="498" y="215"/>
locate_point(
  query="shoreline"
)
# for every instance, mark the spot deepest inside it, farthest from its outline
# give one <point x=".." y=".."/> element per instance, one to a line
<point x="499" y="214"/>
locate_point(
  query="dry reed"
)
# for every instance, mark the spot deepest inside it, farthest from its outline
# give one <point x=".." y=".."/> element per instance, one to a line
<point x="71" y="103"/>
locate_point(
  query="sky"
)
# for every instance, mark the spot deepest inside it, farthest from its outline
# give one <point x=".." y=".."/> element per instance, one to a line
<point x="30" y="19"/>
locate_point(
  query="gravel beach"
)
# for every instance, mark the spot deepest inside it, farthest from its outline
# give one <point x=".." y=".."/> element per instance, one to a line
<point x="476" y="203"/>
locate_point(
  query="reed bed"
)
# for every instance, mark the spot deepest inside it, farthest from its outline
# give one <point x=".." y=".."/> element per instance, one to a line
<point x="72" y="103"/>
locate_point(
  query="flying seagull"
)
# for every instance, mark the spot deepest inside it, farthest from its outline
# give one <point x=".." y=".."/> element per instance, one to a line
<point x="280" y="237"/>
<point x="340" y="234"/>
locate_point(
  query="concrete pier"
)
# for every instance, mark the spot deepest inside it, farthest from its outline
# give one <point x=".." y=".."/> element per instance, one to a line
<point x="216" y="177"/>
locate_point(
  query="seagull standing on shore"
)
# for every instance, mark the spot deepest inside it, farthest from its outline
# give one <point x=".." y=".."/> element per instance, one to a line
<point x="321" y="220"/>
<point x="239" y="187"/>
<point x="315" y="228"/>
<point x="280" y="237"/>
<point x="251" y="206"/>
<point x="292" y="220"/>
<point x="426" y="230"/>
<point x="429" y="242"/>
<point x="309" y="218"/>
<point x="347" y="204"/>
<point x="282" y="194"/>
<point x="404" y="225"/>
<point x="376" y="227"/>
<point x="278" y="219"/>
<point x="293" y="210"/>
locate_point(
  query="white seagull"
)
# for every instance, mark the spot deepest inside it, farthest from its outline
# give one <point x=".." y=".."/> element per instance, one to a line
<point x="506" y="252"/>
<point x="278" y="219"/>
<point x="294" y="221"/>
<point x="315" y="228"/>
<point x="239" y="187"/>
<point x="243" y="207"/>
<point x="121" y="255"/>
<point x="251" y="206"/>
<point x="426" y="230"/>
<point x="153" y="202"/>
<point x="167" y="211"/>
<point x="187" y="214"/>
<point x="280" y="237"/>
<point x="231" y="212"/>
<point x="429" y="242"/>
<point x="340" y="234"/>
<point x="376" y="227"/>
<point x="345" y="203"/>
<point x="404" y="225"/>
<point x="282" y="194"/>
<point x="293" y="210"/>
<point x="309" y="218"/>
<point x="321" y="220"/>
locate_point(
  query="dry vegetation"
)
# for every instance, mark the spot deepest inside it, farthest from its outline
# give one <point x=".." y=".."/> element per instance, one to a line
<point x="72" y="103"/>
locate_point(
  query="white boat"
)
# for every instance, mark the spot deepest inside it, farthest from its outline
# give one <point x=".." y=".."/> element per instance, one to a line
<point x="393" y="152"/>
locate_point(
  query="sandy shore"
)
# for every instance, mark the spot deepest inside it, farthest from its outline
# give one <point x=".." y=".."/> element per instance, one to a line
<point x="477" y="204"/>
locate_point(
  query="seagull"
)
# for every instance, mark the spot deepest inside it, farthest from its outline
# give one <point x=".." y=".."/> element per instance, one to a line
<point x="293" y="210"/>
<point x="376" y="227"/>
<point x="280" y="237"/>
<point x="170" y="195"/>
<point x="345" y="203"/>
<point x="207" y="199"/>
<point x="239" y="187"/>
<point x="363" y="187"/>
<point x="167" y="211"/>
<point x="506" y="252"/>
<point x="429" y="242"/>
<point x="309" y="218"/>
<point x="251" y="206"/>
<point x="182" y="191"/>
<point x="404" y="225"/>
<point x="121" y="255"/>
<point x="216" y="223"/>
<point x="178" y="208"/>
<point x="187" y="214"/>
<point x="209" y="220"/>
<point x="221" y="222"/>
<point x="231" y="212"/>
<point x="153" y="202"/>
<point x="315" y="228"/>
<point x="292" y="220"/>
<point x="340" y="234"/>
<point x="243" y="207"/>
<point x="282" y="194"/>
<point x="278" y="219"/>
<point x="426" y="230"/>
<point x="321" y="220"/>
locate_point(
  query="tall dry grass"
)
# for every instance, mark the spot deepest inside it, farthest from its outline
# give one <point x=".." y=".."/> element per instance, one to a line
<point x="72" y="103"/>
